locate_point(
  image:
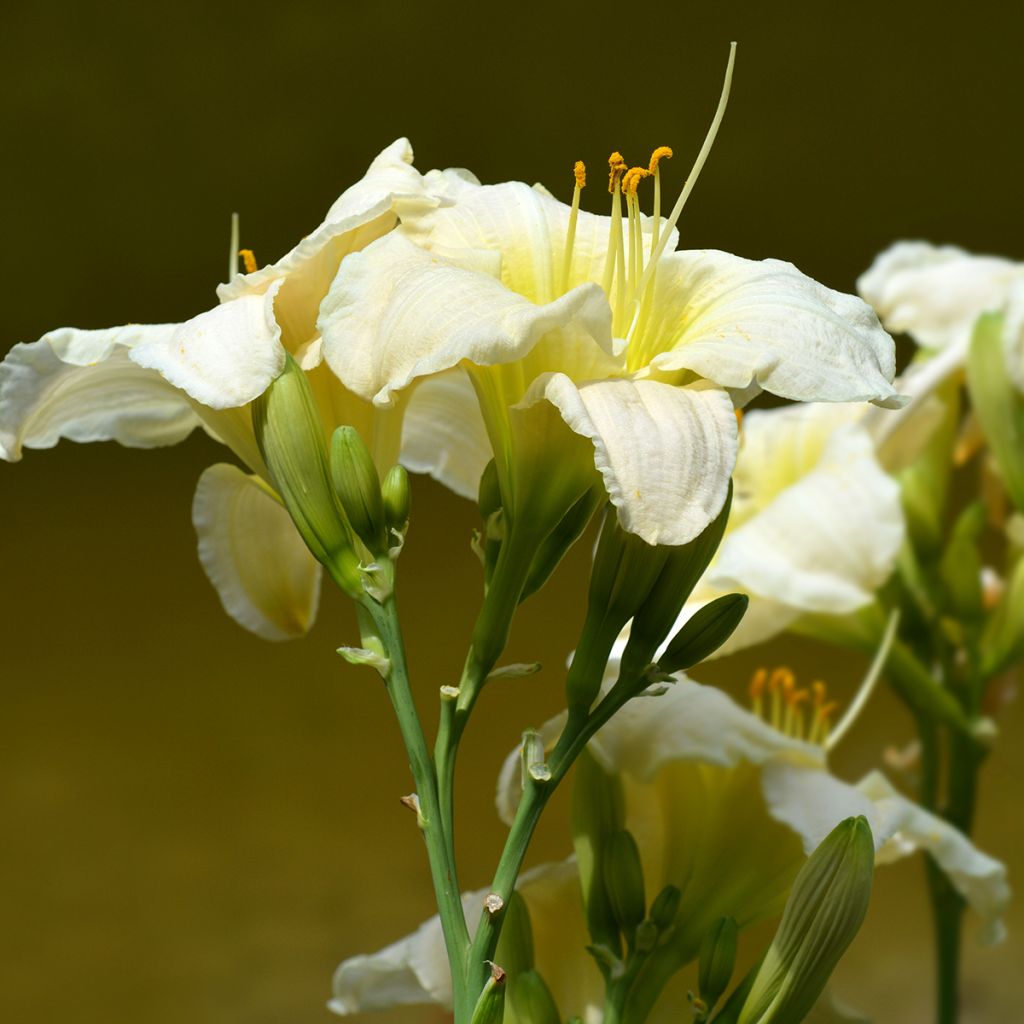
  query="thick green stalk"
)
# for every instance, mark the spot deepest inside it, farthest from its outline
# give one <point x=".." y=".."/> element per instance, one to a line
<point x="433" y="823"/>
<point x="579" y="729"/>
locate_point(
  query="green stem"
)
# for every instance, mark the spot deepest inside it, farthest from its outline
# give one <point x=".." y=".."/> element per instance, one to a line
<point x="579" y="729"/>
<point x="442" y="867"/>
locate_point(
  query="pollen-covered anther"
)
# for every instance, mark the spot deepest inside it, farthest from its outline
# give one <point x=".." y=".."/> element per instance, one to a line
<point x="661" y="153"/>
<point x="617" y="167"/>
<point x="758" y="682"/>
<point x="632" y="178"/>
<point x="248" y="260"/>
<point x="580" y="171"/>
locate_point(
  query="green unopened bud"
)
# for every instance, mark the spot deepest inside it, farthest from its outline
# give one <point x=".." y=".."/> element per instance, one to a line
<point x="397" y="495"/>
<point x="490" y="1007"/>
<point x="358" y="486"/>
<point x="489" y="491"/>
<point x="1002" y="642"/>
<point x="553" y="548"/>
<point x="531" y="1000"/>
<point x="823" y="913"/>
<point x="666" y="906"/>
<point x="703" y="633"/>
<point x="515" y="947"/>
<point x="717" y="960"/>
<point x="997" y="403"/>
<point x="625" y="568"/>
<point x="683" y="568"/>
<point x="925" y="482"/>
<point x="291" y="440"/>
<point x="597" y="812"/>
<point x="624" y="880"/>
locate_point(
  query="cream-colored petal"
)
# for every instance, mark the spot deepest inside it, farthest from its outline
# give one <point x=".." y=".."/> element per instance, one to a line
<point x="265" y="576"/>
<point x="666" y="453"/>
<point x="935" y="293"/>
<point x="443" y="433"/>
<point x="395" y="312"/>
<point x="224" y="357"/>
<point x="979" y="878"/>
<point x="827" y="541"/>
<point x="82" y="385"/>
<point x="739" y="322"/>
<point x="379" y="981"/>
<point x="363" y="212"/>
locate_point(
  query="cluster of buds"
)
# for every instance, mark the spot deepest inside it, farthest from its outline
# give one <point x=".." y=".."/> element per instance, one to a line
<point x="352" y="522"/>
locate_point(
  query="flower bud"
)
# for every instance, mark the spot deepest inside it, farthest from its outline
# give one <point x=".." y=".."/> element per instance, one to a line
<point x="1002" y="641"/>
<point x="515" y="947"/>
<point x="531" y="999"/>
<point x="489" y="492"/>
<point x="704" y="632"/>
<point x="624" y="880"/>
<point x="597" y="812"/>
<point x="291" y="440"/>
<point x="960" y="567"/>
<point x="553" y="548"/>
<point x="490" y="1007"/>
<point x="717" y="960"/>
<point x="823" y="913"/>
<point x="997" y="403"/>
<point x="358" y="487"/>
<point x="683" y="568"/>
<point x="397" y="495"/>
<point x="666" y="906"/>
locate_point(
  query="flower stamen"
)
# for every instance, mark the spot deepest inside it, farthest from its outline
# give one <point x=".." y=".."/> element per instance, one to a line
<point x="580" y="171"/>
<point x="661" y="153"/>
<point x="248" y="260"/>
<point x="616" y="255"/>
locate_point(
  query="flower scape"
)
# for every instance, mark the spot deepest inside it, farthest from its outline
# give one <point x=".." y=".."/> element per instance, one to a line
<point x="582" y="378"/>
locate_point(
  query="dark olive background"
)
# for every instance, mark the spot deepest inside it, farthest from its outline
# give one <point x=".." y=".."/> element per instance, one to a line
<point x="196" y="825"/>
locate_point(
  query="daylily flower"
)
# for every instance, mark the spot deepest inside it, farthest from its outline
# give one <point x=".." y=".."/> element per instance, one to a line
<point x="816" y="522"/>
<point x="936" y="294"/>
<point x="593" y="344"/>
<point x="150" y="385"/>
<point x="725" y="806"/>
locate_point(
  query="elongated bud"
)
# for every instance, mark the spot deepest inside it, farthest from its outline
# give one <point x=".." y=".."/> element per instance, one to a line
<point x="666" y="906"/>
<point x="960" y="567"/>
<point x="683" y="568"/>
<point x="823" y="913"/>
<point x="531" y="999"/>
<point x="490" y="1007"/>
<point x="624" y="880"/>
<point x="489" y="492"/>
<point x="997" y="403"/>
<point x="597" y="812"/>
<point x="291" y="440"/>
<point x="717" y="960"/>
<point x="703" y="633"/>
<point x="397" y="495"/>
<point x="1002" y="642"/>
<point x="515" y="947"/>
<point x="358" y="486"/>
<point x="554" y="547"/>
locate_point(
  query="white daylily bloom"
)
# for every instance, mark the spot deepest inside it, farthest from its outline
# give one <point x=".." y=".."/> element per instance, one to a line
<point x="542" y="306"/>
<point x="151" y="385"/>
<point x="723" y="805"/>
<point x="816" y="522"/>
<point x="936" y="294"/>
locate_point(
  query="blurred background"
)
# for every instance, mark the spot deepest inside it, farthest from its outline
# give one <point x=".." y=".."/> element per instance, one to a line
<point x="197" y="825"/>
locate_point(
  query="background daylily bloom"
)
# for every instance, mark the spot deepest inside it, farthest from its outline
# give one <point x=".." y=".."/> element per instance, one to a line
<point x="582" y="359"/>
<point x="936" y="294"/>
<point x="151" y="385"/>
<point x="724" y="806"/>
